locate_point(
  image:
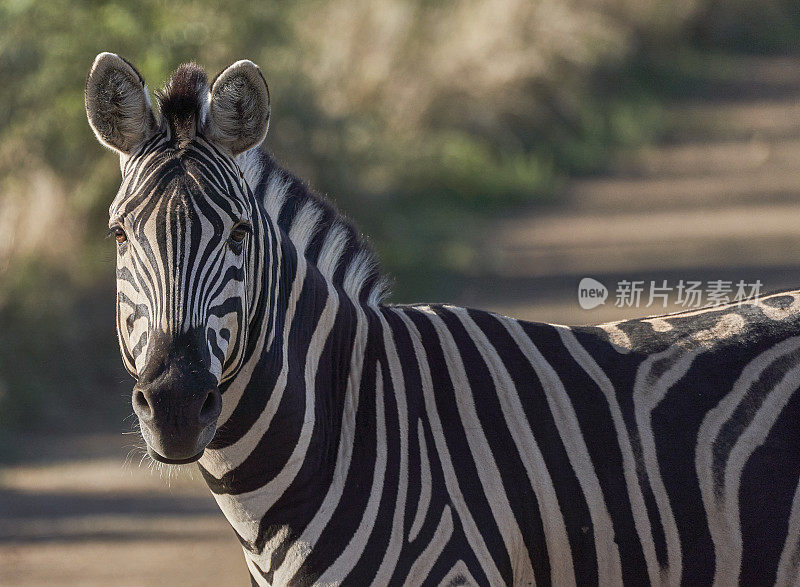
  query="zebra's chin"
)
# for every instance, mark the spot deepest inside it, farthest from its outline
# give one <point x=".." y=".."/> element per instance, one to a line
<point x="172" y="446"/>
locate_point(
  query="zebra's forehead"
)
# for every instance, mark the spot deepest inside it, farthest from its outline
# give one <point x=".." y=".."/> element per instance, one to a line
<point x="195" y="181"/>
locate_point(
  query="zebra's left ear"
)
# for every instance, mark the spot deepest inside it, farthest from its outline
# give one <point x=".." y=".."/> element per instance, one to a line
<point x="238" y="113"/>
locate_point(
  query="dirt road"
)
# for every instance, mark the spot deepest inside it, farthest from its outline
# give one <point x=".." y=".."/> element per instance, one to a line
<point x="78" y="513"/>
<point x="720" y="202"/>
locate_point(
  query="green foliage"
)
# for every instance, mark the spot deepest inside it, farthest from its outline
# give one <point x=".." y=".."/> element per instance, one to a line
<point x="58" y="354"/>
<point x="749" y="27"/>
<point x="459" y="170"/>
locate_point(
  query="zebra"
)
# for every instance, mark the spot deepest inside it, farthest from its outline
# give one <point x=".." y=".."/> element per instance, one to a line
<point x="347" y="440"/>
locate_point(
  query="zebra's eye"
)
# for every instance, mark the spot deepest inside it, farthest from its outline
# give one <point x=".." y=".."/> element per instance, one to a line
<point x="119" y="234"/>
<point x="239" y="233"/>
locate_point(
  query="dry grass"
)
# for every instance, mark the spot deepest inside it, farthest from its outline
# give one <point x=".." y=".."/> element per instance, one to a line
<point x="404" y="58"/>
<point x="35" y="219"/>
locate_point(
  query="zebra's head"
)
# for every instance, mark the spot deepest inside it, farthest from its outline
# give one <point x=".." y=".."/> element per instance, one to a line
<point x="187" y="237"/>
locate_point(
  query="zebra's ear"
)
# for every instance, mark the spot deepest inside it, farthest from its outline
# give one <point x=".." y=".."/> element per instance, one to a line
<point x="238" y="113"/>
<point x="118" y="105"/>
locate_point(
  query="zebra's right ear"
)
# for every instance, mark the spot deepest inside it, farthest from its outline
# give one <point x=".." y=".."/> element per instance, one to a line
<point x="118" y="105"/>
<point x="238" y="113"/>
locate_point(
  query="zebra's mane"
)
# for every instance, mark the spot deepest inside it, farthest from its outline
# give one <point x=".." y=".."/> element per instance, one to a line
<point x="318" y="230"/>
<point x="184" y="103"/>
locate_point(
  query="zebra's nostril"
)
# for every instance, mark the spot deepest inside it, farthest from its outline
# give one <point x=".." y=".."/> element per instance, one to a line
<point x="142" y="406"/>
<point x="211" y="406"/>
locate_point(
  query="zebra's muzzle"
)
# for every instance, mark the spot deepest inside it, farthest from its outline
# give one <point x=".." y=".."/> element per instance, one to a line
<point x="177" y="424"/>
<point x="177" y="398"/>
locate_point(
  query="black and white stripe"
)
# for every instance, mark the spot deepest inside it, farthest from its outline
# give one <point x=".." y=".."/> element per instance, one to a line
<point x="362" y="443"/>
<point x="171" y="274"/>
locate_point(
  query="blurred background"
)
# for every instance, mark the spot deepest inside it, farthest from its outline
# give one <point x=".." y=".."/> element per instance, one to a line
<point x="496" y="151"/>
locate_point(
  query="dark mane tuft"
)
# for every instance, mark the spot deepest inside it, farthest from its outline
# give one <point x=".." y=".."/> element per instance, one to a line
<point x="181" y="102"/>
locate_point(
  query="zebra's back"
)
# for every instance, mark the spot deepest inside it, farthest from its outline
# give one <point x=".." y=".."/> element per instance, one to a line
<point x="653" y="450"/>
